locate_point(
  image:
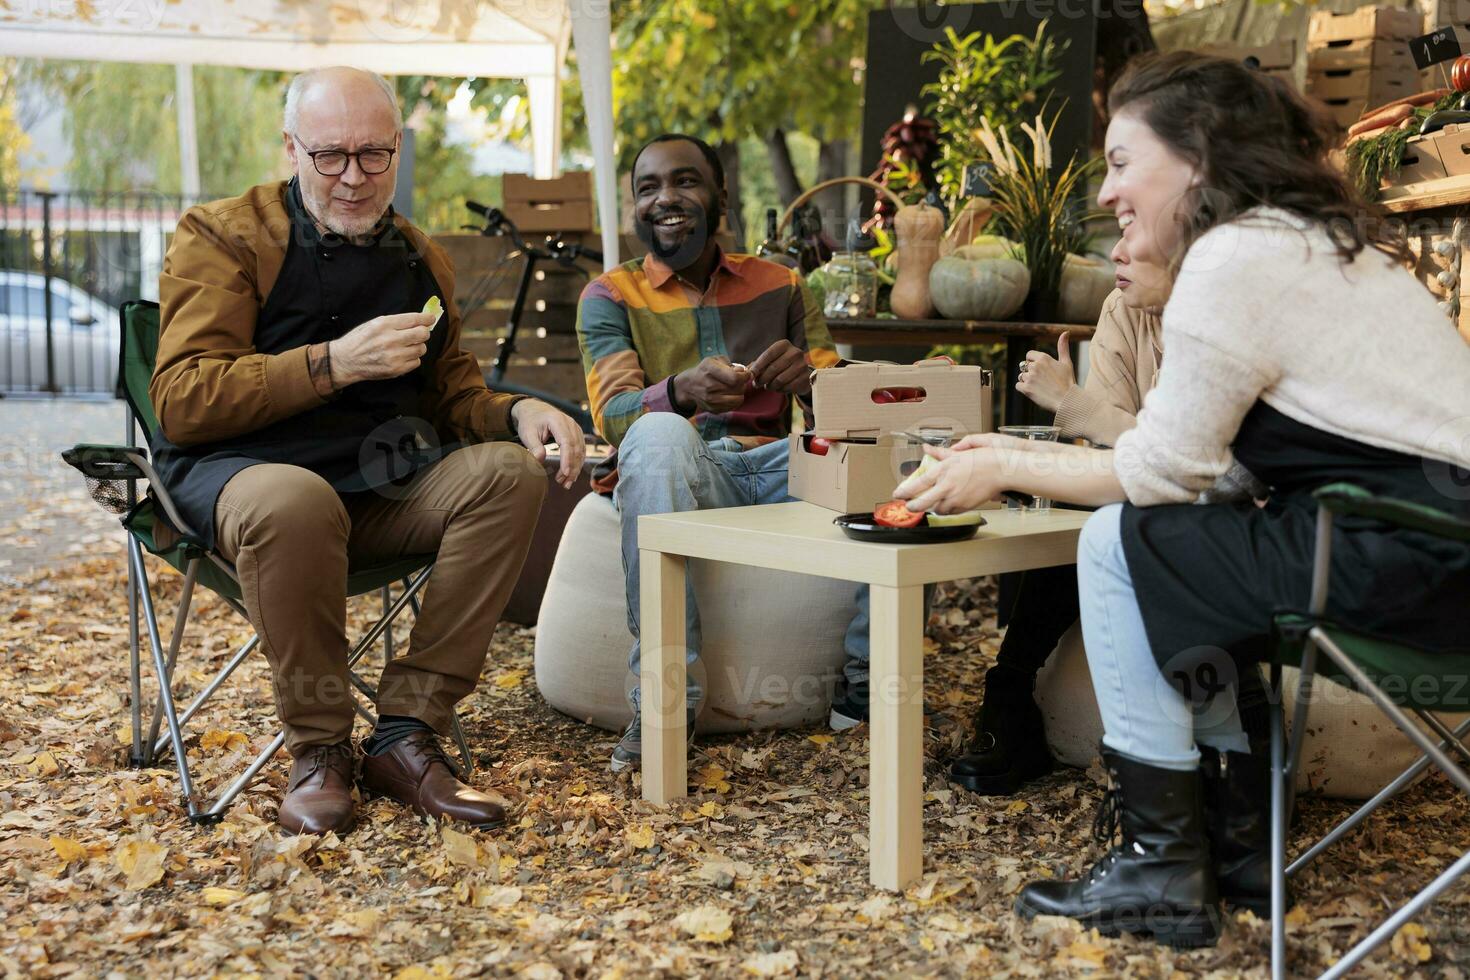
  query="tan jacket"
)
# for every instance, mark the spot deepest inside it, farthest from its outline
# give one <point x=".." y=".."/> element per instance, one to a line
<point x="210" y="384"/>
<point x="1123" y="365"/>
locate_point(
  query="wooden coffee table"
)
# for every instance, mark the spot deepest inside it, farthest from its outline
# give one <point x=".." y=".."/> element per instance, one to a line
<point x="800" y="537"/>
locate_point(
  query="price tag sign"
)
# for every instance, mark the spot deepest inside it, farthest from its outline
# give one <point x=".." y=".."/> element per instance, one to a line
<point x="977" y="180"/>
<point x="1430" y="49"/>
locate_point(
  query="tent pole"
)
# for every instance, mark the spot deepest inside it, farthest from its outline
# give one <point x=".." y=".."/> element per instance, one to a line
<point x="592" y="35"/>
<point x="545" y="125"/>
<point x="188" y="132"/>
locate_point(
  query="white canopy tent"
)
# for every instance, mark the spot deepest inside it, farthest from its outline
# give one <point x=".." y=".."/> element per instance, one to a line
<point x="485" y="38"/>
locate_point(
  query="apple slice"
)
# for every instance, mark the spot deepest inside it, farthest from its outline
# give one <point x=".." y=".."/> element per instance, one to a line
<point x="950" y="520"/>
<point x="436" y="308"/>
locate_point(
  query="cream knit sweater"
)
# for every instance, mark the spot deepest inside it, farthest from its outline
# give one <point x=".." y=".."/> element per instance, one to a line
<point x="1263" y="308"/>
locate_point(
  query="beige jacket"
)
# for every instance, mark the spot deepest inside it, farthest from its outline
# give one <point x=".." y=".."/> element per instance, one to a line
<point x="1123" y="365"/>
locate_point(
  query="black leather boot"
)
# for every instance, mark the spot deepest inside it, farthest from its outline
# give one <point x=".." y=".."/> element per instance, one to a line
<point x="1237" y="809"/>
<point x="1159" y="881"/>
<point x="1009" y="748"/>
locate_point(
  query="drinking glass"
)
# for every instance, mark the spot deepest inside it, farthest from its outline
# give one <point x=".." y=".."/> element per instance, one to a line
<point x="1043" y="433"/>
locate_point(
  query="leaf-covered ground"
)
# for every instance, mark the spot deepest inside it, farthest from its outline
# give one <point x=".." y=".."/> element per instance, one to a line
<point x="762" y="871"/>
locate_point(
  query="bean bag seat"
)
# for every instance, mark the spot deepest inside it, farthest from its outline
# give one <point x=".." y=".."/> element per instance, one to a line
<point x="1351" y="751"/>
<point x="772" y="640"/>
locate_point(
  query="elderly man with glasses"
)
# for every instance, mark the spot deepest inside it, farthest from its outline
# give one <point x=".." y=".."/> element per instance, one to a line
<point x="311" y="417"/>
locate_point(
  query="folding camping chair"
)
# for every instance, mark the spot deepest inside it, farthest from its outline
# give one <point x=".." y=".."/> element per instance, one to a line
<point x="112" y="473"/>
<point x="1396" y="677"/>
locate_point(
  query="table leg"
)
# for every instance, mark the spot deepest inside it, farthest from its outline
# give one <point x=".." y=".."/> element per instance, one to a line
<point x="662" y="677"/>
<point x="896" y="741"/>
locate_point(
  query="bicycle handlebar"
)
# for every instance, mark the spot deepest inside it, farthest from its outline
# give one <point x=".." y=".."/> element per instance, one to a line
<point x="555" y="250"/>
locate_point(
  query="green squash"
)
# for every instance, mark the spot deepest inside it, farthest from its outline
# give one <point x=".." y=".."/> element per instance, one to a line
<point x="978" y="289"/>
<point x="991" y="247"/>
<point x="1086" y="284"/>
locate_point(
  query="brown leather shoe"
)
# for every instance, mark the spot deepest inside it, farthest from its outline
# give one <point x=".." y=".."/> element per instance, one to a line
<point x="319" y="794"/>
<point x="416" y="772"/>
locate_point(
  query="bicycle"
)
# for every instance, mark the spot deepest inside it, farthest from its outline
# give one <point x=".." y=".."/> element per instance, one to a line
<point x="553" y="249"/>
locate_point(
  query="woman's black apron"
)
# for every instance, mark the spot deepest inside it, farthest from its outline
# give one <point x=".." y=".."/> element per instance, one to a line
<point x="366" y="437"/>
<point x="1209" y="578"/>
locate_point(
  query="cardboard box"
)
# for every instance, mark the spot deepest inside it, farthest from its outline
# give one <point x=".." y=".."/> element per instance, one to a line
<point x="1421" y="162"/>
<point x="956" y="399"/>
<point x="1362" y="53"/>
<point x="1373" y="85"/>
<point x="1365" y="22"/>
<point x="561" y="204"/>
<point x="1278" y="55"/>
<point x="857" y="476"/>
<point x="853" y="476"/>
<point x="1452" y="144"/>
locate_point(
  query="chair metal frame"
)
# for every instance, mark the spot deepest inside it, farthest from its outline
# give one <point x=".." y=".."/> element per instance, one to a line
<point x="1286" y="760"/>
<point x="148" y="747"/>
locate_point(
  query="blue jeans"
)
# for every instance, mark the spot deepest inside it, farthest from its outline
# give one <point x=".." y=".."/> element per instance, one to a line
<point x="1145" y="717"/>
<point x="665" y="467"/>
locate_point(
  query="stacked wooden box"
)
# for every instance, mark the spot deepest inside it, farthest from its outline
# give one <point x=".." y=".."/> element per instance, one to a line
<point x="1277" y="59"/>
<point x="561" y="204"/>
<point x="1359" y="60"/>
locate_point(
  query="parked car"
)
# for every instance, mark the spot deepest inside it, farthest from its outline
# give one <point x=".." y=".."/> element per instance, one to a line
<point x="85" y="334"/>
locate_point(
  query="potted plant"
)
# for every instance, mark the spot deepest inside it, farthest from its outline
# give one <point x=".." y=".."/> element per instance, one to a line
<point x="1040" y="208"/>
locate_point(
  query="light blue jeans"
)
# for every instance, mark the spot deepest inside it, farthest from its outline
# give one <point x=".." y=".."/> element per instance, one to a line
<point x="1145" y="717"/>
<point x="664" y="467"/>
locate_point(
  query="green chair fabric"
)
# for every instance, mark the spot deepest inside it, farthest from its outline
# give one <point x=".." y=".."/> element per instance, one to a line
<point x="139" y="350"/>
<point x="1348" y="500"/>
<point x="1411" y="678"/>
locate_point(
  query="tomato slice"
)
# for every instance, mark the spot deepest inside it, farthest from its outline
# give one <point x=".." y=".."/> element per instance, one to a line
<point x="896" y="513"/>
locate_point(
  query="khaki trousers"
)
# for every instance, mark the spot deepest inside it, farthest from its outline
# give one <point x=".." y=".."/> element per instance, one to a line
<point x="292" y="538"/>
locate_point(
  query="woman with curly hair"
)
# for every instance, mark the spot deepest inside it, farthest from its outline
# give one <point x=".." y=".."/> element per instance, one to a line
<point x="1300" y="346"/>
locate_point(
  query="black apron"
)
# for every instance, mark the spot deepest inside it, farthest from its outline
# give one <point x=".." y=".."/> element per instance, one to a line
<point x="369" y="435"/>
<point x="1209" y="578"/>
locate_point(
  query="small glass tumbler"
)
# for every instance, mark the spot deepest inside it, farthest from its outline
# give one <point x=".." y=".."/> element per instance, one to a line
<point x="1043" y="433"/>
<point x="909" y="448"/>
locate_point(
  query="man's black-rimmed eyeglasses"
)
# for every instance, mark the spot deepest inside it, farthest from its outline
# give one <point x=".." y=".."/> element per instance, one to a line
<point x="333" y="163"/>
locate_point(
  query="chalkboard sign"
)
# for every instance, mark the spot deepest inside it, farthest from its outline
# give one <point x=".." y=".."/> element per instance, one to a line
<point x="1432" y="48"/>
<point x="977" y="180"/>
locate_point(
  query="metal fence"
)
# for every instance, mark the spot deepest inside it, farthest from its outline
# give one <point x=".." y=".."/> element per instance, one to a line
<point x="67" y="261"/>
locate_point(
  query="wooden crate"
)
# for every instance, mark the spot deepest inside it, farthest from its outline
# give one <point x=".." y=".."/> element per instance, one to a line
<point x="564" y="379"/>
<point x="1345" y="112"/>
<point x="1361" y="53"/>
<point x="555" y="347"/>
<point x="1365" y="22"/>
<point x="562" y="204"/>
<point x="1275" y="56"/>
<point x="1373" y="85"/>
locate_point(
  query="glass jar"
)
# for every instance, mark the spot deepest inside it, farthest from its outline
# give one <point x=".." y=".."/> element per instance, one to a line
<point x="851" y="279"/>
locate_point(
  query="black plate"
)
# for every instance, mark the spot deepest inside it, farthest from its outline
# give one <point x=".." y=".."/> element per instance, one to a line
<point x="861" y="527"/>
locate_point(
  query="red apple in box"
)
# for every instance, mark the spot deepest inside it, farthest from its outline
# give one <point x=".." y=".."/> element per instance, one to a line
<point x="816" y="445"/>
<point x="893" y="396"/>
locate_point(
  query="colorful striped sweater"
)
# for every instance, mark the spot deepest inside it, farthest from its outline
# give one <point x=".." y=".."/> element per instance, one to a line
<point x="637" y="327"/>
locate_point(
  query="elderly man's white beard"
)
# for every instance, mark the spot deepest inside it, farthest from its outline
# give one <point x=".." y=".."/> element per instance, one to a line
<point x="320" y="207"/>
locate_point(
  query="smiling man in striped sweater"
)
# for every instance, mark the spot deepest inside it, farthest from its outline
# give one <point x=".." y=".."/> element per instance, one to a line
<point x="693" y="357"/>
